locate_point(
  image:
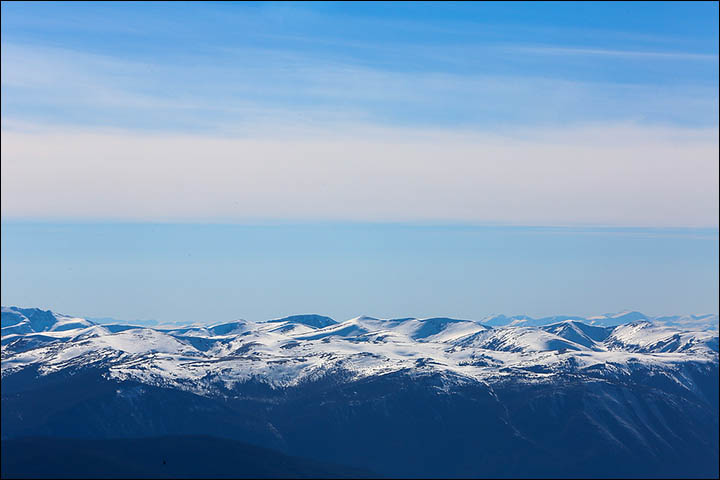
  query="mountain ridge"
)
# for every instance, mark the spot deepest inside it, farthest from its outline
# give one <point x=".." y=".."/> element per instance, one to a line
<point x="408" y="397"/>
<point x="291" y="350"/>
<point x="703" y="321"/>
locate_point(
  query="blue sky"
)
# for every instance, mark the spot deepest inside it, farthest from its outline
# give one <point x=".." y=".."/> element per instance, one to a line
<point x="357" y="121"/>
<point x="221" y="67"/>
<point x="209" y="273"/>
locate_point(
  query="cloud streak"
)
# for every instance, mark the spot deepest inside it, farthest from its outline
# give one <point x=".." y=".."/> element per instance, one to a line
<point x="252" y="85"/>
<point x="600" y="175"/>
<point x="636" y="54"/>
<point x="228" y="112"/>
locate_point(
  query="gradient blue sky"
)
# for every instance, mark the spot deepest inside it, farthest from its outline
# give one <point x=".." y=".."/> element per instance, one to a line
<point x="222" y="67"/>
<point x="176" y="161"/>
<point x="206" y="273"/>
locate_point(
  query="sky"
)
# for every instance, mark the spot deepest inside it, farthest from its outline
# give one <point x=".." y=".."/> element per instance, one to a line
<point x="362" y="128"/>
<point x="190" y="273"/>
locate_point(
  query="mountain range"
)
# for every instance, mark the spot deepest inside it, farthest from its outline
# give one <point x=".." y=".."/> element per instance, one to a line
<point x="412" y="397"/>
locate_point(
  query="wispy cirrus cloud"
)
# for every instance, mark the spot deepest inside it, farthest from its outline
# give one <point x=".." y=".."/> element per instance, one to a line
<point x="255" y="85"/>
<point x="632" y="54"/>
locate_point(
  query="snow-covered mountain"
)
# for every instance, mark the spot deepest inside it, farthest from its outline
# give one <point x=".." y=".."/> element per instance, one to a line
<point x="287" y="351"/>
<point x="629" y="379"/>
<point x="686" y="322"/>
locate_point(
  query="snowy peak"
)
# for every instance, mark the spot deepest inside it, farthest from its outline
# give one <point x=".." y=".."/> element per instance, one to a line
<point x="646" y="337"/>
<point x="619" y="318"/>
<point x="309" y="320"/>
<point x="502" y="320"/>
<point x="520" y="339"/>
<point x="690" y="322"/>
<point x="526" y="321"/>
<point x="579" y="333"/>
<point x="229" y="328"/>
<point x="442" y="329"/>
<point x="350" y="328"/>
<point x="34" y="320"/>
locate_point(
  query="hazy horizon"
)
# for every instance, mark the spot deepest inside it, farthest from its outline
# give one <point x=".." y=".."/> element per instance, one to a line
<point x="208" y="273"/>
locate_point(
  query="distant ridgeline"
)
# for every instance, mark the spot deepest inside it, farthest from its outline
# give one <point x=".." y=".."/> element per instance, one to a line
<point x="620" y="395"/>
